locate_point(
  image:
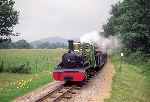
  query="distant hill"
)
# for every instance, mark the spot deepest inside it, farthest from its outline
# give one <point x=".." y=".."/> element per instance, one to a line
<point x="50" y="40"/>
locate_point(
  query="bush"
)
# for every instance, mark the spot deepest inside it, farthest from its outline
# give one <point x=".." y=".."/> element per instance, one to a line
<point x="24" y="68"/>
<point x="135" y="57"/>
<point x="2" y="66"/>
<point x="20" y="69"/>
<point x="139" y="59"/>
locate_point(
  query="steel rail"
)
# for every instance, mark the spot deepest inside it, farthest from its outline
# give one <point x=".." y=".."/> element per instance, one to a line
<point x="56" y="94"/>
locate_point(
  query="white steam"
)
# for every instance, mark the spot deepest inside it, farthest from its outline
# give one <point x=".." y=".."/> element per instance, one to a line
<point x="104" y="44"/>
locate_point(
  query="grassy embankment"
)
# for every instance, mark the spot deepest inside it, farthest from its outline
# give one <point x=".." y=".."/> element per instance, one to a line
<point x="42" y="62"/>
<point x="131" y="82"/>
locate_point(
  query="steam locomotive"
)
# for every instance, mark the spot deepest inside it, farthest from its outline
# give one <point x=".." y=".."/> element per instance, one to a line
<point x="80" y="62"/>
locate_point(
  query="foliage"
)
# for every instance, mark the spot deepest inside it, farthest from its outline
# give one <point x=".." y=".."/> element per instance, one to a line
<point x="2" y="66"/>
<point x="21" y="44"/>
<point x="131" y="21"/>
<point x="24" y="68"/>
<point x="137" y="57"/>
<point x="5" y="44"/>
<point x="8" y="19"/>
<point x="48" y="45"/>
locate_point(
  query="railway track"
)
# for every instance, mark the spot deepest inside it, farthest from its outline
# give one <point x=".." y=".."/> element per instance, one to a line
<point x="62" y="92"/>
<point x="57" y="94"/>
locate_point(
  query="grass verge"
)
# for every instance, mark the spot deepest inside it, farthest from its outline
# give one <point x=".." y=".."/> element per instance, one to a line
<point x="131" y="83"/>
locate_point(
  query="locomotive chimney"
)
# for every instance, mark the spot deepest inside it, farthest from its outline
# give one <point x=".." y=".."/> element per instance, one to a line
<point x="70" y="45"/>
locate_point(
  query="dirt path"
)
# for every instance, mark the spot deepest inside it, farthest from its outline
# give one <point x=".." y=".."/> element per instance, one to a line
<point x="99" y="88"/>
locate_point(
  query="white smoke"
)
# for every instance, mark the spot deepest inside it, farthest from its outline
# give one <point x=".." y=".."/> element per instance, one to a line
<point x="104" y="44"/>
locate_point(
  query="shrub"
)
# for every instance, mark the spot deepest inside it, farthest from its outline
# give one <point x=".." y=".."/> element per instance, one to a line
<point x="23" y="68"/>
<point x="2" y="66"/>
<point x="136" y="58"/>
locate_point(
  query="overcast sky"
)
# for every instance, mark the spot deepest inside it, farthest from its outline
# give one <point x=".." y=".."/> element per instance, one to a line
<point x="65" y="18"/>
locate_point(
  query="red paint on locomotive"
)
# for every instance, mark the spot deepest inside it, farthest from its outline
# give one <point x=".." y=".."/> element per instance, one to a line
<point x="69" y="76"/>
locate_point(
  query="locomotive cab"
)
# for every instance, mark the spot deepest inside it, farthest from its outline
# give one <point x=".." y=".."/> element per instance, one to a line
<point x="71" y="59"/>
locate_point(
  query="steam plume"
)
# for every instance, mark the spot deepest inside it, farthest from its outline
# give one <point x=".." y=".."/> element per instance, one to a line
<point x="104" y="44"/>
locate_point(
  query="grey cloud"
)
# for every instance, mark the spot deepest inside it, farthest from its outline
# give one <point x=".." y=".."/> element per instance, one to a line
<point x="43" y="18"/>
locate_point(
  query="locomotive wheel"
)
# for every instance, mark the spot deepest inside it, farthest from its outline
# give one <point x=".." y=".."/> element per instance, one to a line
<point x="90" y="73"/>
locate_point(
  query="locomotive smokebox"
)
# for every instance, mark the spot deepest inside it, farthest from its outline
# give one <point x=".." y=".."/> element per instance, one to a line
<point x="70" y="45"/>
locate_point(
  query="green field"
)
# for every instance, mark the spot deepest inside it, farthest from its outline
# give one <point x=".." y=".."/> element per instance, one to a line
<point x="41" y="62"/>
<point x="131" y="82"/>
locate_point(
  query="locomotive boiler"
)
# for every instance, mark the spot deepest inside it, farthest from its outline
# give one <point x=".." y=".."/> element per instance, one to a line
<point x="79" y="63"/>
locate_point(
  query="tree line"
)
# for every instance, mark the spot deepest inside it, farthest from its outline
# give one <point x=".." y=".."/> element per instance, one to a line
<point x="23" y="44"/>
<point x="47" y="45"/>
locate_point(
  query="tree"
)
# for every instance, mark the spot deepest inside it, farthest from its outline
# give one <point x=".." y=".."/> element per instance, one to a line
<point x="8" y="19"/>
<point x="48" y="45"/>
<point x="43" y="45"/>
<point x="21" y="44"/>
<point x="131" y="21"/>
<point x="5" y="45"/>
